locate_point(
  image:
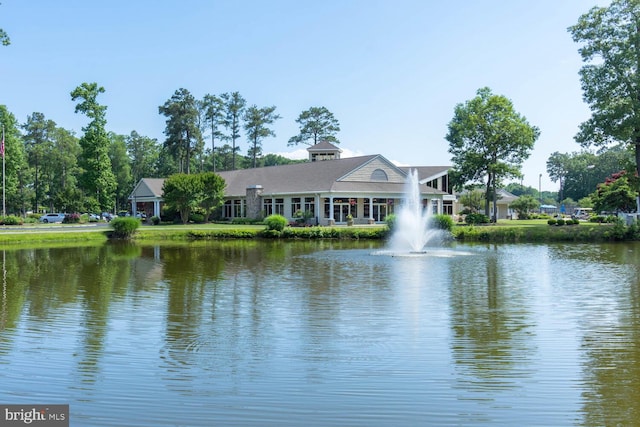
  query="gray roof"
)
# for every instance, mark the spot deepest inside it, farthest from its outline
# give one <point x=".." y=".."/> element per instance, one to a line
<point x="324" y="146"/>
<point x="349" y="176"/>
<point x="149" y="187"/>
<point x="311" y="177"/>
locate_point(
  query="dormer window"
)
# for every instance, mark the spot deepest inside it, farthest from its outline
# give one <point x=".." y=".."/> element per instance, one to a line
<point x="379" y="175"/>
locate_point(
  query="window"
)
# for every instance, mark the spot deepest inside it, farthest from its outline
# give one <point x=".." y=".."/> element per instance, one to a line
<point x="379" y="175"/>
<point x="379" y="209"/>
<point x="447" y="207"/>
<point x="234" y="208"/>
<point x="310" y="205"/>
<point x="295" y="205"/>
<point x="279" y="206"/>
<point x="267" y="207"/>
<point x="237" y="208"/>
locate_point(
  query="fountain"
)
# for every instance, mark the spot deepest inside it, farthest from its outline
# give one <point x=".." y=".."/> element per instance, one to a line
<point x="411" y="231"/>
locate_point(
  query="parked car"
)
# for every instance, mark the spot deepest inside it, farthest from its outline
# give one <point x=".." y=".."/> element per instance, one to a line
<point x="107" y="216"/>
<point x="52" y="218"/>
<point x="94" y="217"/>
<point x="582" y="213"/>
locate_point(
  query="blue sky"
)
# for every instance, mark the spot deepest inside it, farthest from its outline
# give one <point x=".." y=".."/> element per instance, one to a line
<point x="390" y="71"/>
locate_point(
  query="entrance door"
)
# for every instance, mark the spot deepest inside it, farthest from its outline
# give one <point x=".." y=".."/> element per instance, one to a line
<point x="340" y="211"/>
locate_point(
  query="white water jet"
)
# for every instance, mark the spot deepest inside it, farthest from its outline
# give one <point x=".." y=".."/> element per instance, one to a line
<point x="411" y="231"/>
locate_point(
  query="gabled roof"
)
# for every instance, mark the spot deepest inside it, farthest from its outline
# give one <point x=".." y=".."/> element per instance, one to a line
<point x="350" y="175"/>
<point x="324" y="146"/>
<point x="148" y="187"/>
<point x="506" y="196"/>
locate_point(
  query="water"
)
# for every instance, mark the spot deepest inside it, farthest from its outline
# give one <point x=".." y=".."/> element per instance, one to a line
<point x="412" y="231"/>
<point x="324" y="334"/>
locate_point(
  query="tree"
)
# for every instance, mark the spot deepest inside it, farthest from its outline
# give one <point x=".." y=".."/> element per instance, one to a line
<point x="62" y="171"/>
<point x="611" y="76"/>
<point x="121" y="168"/>
<point x="255" y="125"/>
<point x="524" y="205"/>
<point x="473" y="200"/>
<point x="234" y="107"/>
<point x="97" y="177"/>
<point x="521" y="190"/>
<point x="579" y="173"/>
<point x="143" y="153"/>
<point x="212" y="192"/>
<point x="184" y="139"/>
<point x="4" y="38"/>
<point x="15" y="162"/>
<point x="212" y="108"/>
<point x="558" y="168"/>
<point x="37" y="139"/>
<point x="488" y="140"/>
<point x="183" y="192"/>
<point x="316" y="124"/>
<point x="615" y="194"/>
<point x="276" y="159"/>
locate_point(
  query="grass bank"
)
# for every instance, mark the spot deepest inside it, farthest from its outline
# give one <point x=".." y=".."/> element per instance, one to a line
<point x="503" y="232"/>
<point x="534" y="231"/>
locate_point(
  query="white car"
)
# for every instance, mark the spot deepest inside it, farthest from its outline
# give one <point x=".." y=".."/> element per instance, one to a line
<point x="52" y="218"/>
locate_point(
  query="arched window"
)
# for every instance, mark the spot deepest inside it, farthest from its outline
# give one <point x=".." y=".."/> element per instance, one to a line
<point x="379" y="175"/>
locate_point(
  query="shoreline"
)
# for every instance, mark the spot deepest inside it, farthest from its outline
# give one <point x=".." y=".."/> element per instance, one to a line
<point x="511" y="232"/>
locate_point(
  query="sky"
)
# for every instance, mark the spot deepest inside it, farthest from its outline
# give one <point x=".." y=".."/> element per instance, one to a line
<point x="390" y="71"/>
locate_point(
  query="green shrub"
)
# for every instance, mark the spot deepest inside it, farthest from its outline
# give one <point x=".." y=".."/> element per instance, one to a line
<point x="73" y="218"/>
<point x="560" y="221"/>
<point x="603" y="218"/>
<point x="477" y="218"/>
<point x="390" y="220"/>
<point x="552" y="221"/>
<point x="124" y="227"/>
<point x="197" y="218"/>
<point x="155" y="220"/>
<point x="11" y="220"/>
<point x="276" y="222"/>
<point x="441" y="222"/>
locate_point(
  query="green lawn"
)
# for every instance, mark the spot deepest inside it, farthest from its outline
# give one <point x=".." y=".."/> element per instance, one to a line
<point x="505" y="231"/>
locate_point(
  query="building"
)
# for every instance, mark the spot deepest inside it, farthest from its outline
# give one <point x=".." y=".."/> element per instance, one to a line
<point x="328" y="187"/>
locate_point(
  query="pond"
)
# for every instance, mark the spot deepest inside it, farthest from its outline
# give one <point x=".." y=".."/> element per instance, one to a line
<point x="324" y="334"/>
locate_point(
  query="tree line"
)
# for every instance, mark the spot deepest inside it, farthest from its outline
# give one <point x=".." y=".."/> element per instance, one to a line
<point x="488" y="139"/>
<point x="49" y="168"/>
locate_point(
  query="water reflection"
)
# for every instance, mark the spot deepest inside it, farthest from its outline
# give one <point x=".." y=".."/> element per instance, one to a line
<point x="324" y="333"/>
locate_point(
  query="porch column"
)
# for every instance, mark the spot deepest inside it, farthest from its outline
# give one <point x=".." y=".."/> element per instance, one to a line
<point x="156" y="208"/>
<point x="332" y="220"/>
<point x="371" y="220"/>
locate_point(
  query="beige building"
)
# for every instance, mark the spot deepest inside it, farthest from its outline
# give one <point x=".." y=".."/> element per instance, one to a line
<point x="327" y="186"/>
